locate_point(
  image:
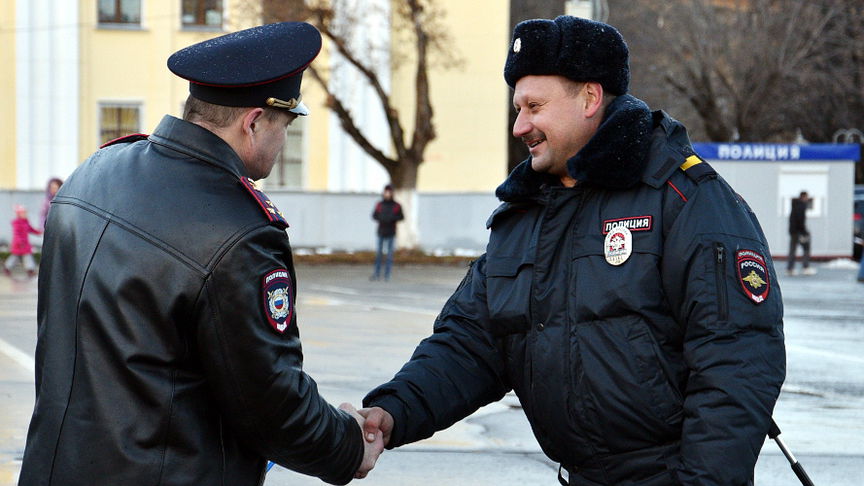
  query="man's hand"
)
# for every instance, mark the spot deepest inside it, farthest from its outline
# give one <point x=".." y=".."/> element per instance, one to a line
<point x="373" y="445"/>
<point x="378" y="421"/>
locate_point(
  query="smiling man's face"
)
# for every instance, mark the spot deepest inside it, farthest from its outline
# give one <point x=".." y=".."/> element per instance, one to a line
<point x="552" y="120"/>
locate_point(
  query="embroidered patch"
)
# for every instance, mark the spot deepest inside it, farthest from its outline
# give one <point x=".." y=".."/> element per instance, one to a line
<point x="278" y="307"/>
<point x="753" y="275"/>
<point x="633" y="223"/>
<point x="618" y="245"/>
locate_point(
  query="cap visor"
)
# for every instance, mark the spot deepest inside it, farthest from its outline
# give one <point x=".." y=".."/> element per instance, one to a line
<point x="300" y="109"/>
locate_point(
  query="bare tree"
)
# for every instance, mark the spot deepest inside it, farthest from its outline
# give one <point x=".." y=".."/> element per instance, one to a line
<point x="738" y="65"/>
<point x="419" y="35"/>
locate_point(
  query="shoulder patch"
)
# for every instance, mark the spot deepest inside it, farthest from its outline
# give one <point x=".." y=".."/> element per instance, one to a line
<point x="697" y="169"/>
<point x="125" y="139"/>
<point x="753" y="275"/>
<point x="278" y="307"/>
<point x="275" y="216"/>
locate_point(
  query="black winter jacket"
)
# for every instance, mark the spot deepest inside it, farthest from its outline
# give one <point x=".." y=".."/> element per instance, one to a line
<point x="387" y="213"/>
<point x="798" y="218"/>
<point x="168" y="349"/>
<point x="662" y="369"/>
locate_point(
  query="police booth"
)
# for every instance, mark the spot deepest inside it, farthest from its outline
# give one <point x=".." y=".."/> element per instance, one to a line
<point x="769" y="176"/>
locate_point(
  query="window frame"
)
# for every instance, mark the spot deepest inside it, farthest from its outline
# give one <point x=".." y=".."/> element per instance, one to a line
<point x="299" y="132"/>
<point x="205" y="26"/>
<point x="136" y="104"/>
<point x="118" y="24"/>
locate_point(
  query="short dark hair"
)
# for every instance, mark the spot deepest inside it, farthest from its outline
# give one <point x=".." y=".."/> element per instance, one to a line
<point x="196" y="110"/>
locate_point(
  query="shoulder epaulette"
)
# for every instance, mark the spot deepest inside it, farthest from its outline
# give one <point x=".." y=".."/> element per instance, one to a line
<point x="125" y="139"/>
<point x="697" y="169"/>
<point x="273" y="214"/>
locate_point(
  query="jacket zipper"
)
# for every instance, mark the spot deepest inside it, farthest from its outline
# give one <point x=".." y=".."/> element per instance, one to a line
<point x="720" y="277"/>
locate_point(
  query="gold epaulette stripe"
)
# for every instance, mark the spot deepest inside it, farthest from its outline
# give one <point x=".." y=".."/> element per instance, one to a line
<point x="690" y="162"/>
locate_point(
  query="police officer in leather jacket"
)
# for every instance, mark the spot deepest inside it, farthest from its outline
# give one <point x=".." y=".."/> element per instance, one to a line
<point x="168" y="346"/>
<point x="627" y="294"/>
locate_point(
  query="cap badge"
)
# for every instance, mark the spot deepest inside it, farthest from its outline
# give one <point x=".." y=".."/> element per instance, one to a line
<point x="618" y="245"/>
<point x="288" y="105"/>
<point x="517" y="45"/>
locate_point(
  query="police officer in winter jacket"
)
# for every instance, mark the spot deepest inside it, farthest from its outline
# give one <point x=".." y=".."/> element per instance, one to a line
<point x="627" y="295"/>
<point x="168" y="350"/>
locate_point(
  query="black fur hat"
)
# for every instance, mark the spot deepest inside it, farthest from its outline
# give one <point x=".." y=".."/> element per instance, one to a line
<point x="573" y="47"/>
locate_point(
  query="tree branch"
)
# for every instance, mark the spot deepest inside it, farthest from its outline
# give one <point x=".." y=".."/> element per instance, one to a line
<point x="424" y="131"/>
<point x="347" y="122"/>
<point x="397" y="134"/>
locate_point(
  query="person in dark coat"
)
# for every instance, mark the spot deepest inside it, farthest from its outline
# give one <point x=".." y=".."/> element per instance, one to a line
<point x="627" y="293"/>
<point x="387" y="213"/>
<point x="168" y="348"/>
<point x="799" y="235"/>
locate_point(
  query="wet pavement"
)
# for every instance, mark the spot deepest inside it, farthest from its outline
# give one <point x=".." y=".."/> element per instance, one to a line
<point x="357" y="333"/>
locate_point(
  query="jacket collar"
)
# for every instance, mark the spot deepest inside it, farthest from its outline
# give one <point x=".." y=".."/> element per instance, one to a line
<point x="614" y="158"/>
<point x="196" y="141"/>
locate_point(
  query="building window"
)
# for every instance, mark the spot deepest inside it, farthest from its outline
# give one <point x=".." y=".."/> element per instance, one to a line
<point x="202" y="13"/>
<point x="119" y="11"/>
<point x="288" y="171"/>
<point x="117" y="121"/>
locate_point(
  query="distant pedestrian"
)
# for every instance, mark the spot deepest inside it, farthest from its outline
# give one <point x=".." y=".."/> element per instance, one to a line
<point x="387" y="212"/>
<point x="51" y="189"/>
<point x="21" y="248"/>
<point x="799" y="235"/>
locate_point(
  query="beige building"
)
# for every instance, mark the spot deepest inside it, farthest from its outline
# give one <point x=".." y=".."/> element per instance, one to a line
<point x="76" y="74"/>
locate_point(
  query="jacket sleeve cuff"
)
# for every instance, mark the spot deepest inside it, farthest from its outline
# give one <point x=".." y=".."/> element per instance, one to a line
<point x="353" y="435"/>
<point x="396" y="408"/>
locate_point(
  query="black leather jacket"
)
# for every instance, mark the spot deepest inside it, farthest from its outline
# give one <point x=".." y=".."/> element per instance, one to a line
<point x="168" y="350"/>
<point x="659" y="370"/>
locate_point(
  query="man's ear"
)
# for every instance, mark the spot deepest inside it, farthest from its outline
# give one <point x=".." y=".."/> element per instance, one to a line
<point x="250" y="120"/>
<point x="593" y="98"/>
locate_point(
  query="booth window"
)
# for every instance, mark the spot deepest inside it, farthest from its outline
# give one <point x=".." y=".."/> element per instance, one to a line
<point x="118" y="120"/>
<point x="202" y="13"/>
<point x="127" y="12"/>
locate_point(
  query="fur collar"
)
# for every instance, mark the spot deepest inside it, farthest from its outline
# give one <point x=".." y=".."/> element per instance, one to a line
<point x="614" y="158"/>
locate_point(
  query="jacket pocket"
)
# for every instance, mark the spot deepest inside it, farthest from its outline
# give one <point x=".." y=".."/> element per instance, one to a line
<point x="508" y="292"/>
<point x="740" y="289"/>
<point x="626" y="385"/>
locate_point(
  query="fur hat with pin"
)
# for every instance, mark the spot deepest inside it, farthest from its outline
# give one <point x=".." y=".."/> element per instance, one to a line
<point x="573" y="47"/>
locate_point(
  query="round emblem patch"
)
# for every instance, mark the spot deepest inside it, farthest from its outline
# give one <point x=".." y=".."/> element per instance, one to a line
<point x="618" y="245"/>
<point x="278" y="307"/>
<point x="753" y="275"/>
<point x="517" y="45"/>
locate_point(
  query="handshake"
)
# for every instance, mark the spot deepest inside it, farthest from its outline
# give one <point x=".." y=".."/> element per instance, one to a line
<point x="376" y="425"/>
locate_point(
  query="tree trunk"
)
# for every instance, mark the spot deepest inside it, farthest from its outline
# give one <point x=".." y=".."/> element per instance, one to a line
<point x="408" y="235"/>
<point x="404" y="180"/>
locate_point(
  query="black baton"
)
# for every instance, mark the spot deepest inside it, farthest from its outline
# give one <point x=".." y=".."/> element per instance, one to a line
<point x="797" y="468"/>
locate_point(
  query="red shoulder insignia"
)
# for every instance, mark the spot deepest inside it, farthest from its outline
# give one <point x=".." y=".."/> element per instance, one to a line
<point x="125" y="139"/>
<point x="273" y="214"/>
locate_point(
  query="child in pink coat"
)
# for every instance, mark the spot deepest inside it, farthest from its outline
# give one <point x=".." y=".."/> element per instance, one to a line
<point x="20" y="248"/>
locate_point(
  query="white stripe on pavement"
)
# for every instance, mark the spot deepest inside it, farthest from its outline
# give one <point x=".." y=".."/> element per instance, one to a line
<point x="825" y="354"/>
<point x="18" y="356"/>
